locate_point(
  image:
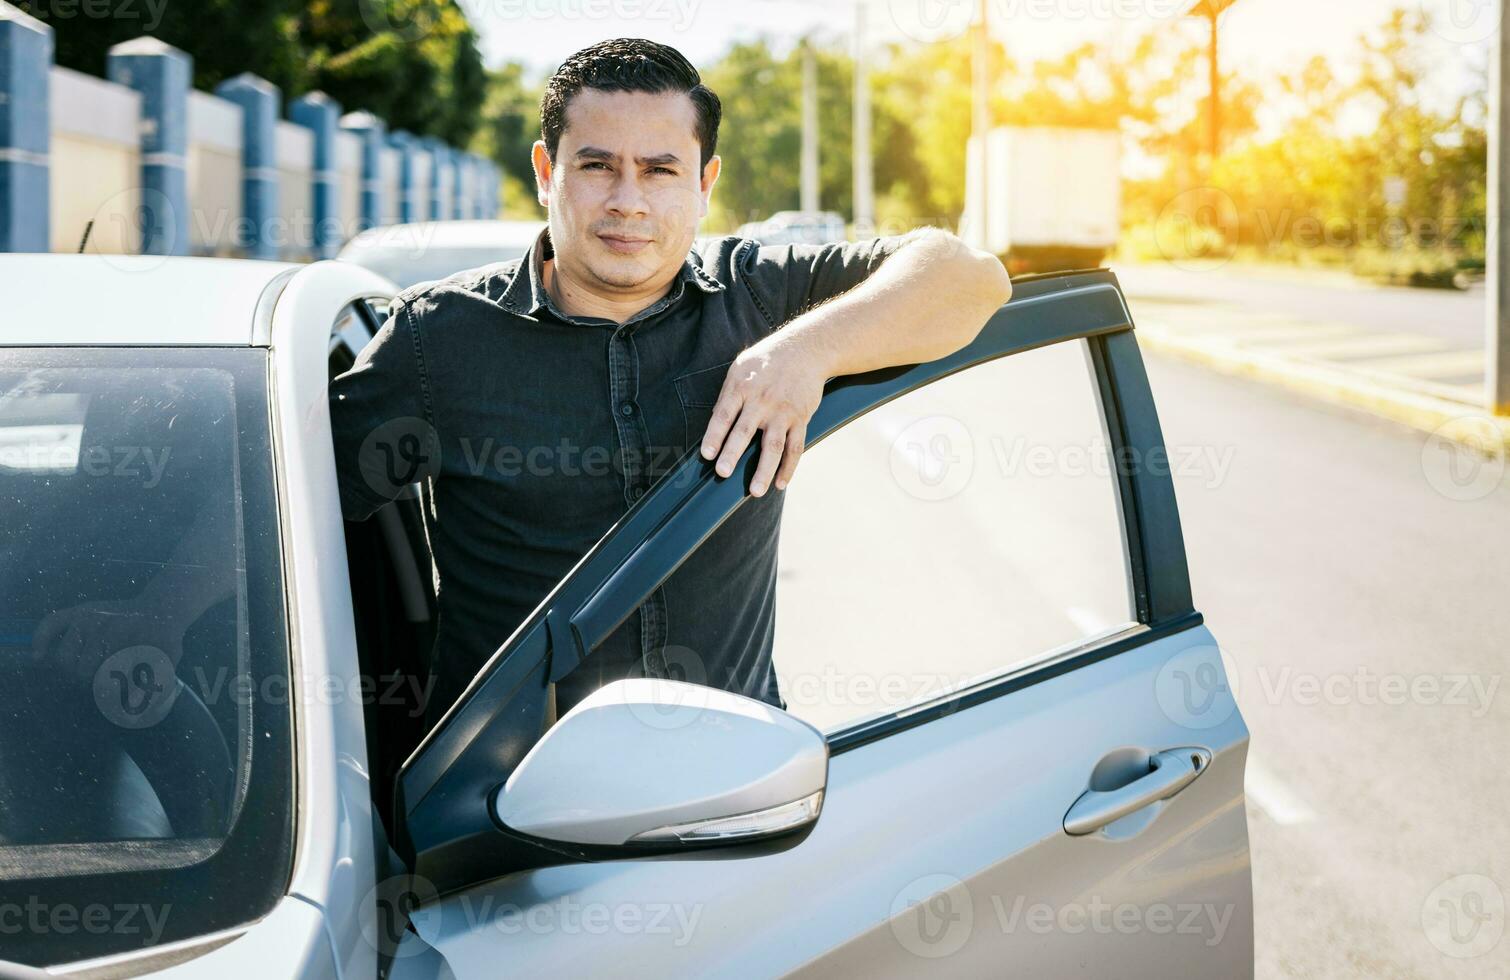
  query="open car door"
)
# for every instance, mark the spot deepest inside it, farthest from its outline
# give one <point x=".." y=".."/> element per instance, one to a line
<point x="1071" y="804"/>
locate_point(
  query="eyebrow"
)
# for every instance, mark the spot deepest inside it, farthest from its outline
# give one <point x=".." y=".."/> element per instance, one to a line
<point x="598" y="153"/>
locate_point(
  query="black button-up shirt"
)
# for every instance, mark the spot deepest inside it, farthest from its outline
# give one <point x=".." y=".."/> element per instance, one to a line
<point x="531" y="432"/>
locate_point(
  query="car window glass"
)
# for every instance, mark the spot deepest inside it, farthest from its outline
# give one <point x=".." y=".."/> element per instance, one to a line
<point x="144" y="712"/>
<point x="966" y="529"/>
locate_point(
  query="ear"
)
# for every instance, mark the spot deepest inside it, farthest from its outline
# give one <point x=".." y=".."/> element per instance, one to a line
<point x="710" y="177"/>
<point x="543" y="167"/>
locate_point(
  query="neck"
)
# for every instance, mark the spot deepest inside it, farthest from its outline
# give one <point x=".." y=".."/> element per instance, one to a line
<point x="575" y="300"/>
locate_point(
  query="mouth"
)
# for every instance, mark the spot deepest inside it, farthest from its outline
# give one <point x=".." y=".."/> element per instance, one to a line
<point x="624" y="244"/>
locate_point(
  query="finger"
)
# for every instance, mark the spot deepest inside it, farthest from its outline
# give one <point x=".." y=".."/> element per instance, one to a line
<point x="739" y="438"/>
<point x="772" y="444"/>
<point x="796" y="439"/>
<point x="725" y="411"/>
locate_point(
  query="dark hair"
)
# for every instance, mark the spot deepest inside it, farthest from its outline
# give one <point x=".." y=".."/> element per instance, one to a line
<point x="628" y="64"/>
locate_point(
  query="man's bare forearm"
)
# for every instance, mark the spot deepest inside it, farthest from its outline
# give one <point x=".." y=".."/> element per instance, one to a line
<point x="926" y="301"/>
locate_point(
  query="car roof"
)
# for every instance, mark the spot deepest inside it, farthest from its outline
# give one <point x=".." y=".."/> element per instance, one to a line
<point x="422" y="235"/>
<point x="131" y="300"/>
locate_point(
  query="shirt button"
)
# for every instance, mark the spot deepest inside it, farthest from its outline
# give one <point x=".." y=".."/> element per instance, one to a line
<point x="636" y="493"/>
<point x="626" y="409"/>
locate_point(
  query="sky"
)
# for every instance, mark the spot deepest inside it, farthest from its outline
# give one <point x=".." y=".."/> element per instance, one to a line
<point x="1259" y="36"/>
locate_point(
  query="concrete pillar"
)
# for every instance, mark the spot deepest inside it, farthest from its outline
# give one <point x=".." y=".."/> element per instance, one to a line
<point x="440" y="158"/>
<point x="481" y="194"/>
<point x="163" y="75"/>
<point x="258" y="98"/>
<point x="26" y="48"/>
<point x="464" y="186"/>
<point x="321" y="114"/>
<point x="408" y="148"/>
<point x="373" y="133"/>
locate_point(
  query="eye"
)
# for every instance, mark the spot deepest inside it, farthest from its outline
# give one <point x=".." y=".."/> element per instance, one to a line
<point x="595" y="163"/>
<point x="662" y="170"/>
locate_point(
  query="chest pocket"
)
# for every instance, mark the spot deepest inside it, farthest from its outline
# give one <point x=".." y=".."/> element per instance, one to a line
<point x="698" y="393"/>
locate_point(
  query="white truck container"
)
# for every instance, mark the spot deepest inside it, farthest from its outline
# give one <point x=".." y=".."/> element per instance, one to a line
<point x="1053" y="199"/>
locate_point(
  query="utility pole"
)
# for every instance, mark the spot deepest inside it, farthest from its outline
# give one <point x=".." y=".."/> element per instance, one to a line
<point x="1212" y="10"/>
<point x="809" y="127"/>
<point x="864" y="178"/>
<point x="1497" y="235"/>
<point x="1216" y="92"/>
<point x="977" y="211"/>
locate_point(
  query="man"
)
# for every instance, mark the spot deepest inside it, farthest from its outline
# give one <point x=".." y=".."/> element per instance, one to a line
<point x="539" y="399"/>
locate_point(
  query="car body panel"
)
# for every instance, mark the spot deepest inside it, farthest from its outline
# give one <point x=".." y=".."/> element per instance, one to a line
<point x="901" y="825"/>
<point x="291" y="941"/>
<point x="334" y="865"/>
<point x="131" y="300"/>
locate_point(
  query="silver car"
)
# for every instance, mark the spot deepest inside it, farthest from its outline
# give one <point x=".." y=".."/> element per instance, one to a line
<point x="211" y="761"/>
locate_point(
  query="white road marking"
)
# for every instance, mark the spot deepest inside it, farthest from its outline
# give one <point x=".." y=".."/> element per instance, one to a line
<point x="1275" y="798"/>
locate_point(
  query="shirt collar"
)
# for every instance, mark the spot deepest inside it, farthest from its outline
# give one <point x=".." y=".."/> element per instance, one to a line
<point x="527" y="295"/>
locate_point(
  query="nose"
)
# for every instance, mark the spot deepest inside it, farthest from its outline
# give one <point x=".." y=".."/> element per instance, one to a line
<point x="627" y="199"/>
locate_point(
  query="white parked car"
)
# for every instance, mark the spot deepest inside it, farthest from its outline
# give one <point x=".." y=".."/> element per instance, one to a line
<point x="795" y="228"/>
<point x="210" y="760"/>
<point x="428" y="250"/>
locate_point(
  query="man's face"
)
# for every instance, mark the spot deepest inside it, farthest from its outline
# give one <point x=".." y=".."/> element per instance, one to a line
<point x="625" y="193"/>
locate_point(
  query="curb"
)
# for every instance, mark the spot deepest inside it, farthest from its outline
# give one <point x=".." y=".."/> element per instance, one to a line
<point x="1459" y="422"/>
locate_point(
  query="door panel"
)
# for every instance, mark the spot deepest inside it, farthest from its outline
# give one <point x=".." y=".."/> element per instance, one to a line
<point x="940" y="850"/>
<point x="942" y="844"/>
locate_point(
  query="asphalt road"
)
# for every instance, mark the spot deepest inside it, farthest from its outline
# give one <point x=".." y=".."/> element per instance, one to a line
<point x="1457" y="317"/>
<point x="1338" y="568"/>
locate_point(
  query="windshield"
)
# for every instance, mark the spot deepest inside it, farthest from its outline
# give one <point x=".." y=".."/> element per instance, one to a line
<point x="144" y="719"/>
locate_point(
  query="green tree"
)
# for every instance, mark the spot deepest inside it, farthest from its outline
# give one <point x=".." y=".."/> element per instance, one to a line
<point x="226" y="37"/>
<point x="413" y="62"/>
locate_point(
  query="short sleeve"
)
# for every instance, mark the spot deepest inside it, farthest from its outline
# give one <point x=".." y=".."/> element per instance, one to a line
<point x="380" y="419"/>
<point x="790" y="279"/>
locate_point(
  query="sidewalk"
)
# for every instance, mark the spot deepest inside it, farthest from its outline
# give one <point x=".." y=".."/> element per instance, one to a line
<point x="1427" y="382"/>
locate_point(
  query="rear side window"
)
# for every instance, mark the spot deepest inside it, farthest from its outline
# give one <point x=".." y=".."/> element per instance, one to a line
<point x="145" y="727"/>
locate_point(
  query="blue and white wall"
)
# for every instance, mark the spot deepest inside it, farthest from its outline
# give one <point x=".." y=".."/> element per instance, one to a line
<point x="163" y="169"/>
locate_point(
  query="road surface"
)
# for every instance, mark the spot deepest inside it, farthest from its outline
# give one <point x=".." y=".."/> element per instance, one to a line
<point x="1456" y="317"/>
<point x="1334" y="559"/>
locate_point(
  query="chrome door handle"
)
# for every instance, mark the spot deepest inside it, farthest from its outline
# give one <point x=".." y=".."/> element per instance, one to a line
<point x="1169" y="772"/>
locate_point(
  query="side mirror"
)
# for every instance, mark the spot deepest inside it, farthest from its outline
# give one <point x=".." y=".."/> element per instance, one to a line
<point x="663" y="763"/>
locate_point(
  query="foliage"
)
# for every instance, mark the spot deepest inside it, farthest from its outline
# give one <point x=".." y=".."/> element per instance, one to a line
<point x="413" y="62"/>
